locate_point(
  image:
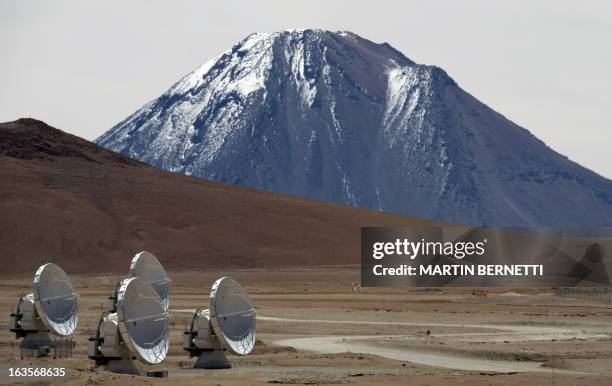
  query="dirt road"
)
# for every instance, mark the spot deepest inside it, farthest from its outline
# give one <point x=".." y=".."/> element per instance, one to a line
<point x="374" y="344"/>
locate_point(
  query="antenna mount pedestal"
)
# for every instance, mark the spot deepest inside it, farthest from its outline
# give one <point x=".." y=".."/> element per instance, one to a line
<point x="123" y="366"/>
<point x="212" y="359"/>
<point x="201" y="342"/>
<point x="25" y="324"/>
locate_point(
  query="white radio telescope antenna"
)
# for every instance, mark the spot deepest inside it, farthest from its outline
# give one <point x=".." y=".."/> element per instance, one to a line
<point x="229" y="324"/>
<point x="139" y="329"/>
<point x="51" y="308"/>
<point x="146" y="266"/>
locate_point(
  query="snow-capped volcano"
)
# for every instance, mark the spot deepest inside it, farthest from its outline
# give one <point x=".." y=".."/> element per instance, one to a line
<point x="336" y="117"/>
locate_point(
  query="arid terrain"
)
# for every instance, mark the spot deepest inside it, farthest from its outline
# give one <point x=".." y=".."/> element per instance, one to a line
<point x="312" y="329"/>
<point x="68" y="201"/>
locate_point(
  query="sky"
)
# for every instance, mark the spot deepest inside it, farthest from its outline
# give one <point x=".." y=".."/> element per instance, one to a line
<point x="83" y="66"/>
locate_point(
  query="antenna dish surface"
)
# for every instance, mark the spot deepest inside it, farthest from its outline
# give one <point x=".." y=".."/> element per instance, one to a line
<point x="143" y="321"/>
<point x="232" y="316"/>
<point x="146" y="266"/>
<point x="55" y="299"/>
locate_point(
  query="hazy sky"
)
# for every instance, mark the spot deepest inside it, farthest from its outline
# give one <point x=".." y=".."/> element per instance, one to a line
<point x="83" y="66"/>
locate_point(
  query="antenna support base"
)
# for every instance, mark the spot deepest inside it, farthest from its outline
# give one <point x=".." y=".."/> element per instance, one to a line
<point x="123" y="366"/>
<point x="212" y="359"/>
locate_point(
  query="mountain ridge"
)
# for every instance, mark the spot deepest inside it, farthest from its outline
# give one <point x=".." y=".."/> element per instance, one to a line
<point x="333" y="116"/>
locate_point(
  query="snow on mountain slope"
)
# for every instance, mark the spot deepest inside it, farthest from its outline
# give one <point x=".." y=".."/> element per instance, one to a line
<point x="336" y="117"/>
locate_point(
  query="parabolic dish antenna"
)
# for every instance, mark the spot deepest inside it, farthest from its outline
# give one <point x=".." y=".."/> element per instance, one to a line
<point x="146" y="266"/>
<point x="52" y="307"/>
<point x="140" y="329"/>
<point x="55" y="299"/>
<point x="143" y="321"/>
<point x="229" y="324"/>
<point x="232" y="316"/>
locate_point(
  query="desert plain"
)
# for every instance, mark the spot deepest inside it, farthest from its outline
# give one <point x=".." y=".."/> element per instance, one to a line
<point x="312" y="329"/>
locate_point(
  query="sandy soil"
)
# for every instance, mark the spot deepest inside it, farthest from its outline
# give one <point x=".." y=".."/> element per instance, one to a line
<point x="313" y="330"/>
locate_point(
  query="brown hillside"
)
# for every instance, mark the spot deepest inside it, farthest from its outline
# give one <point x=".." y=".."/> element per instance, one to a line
<point x="66" y="200"/>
